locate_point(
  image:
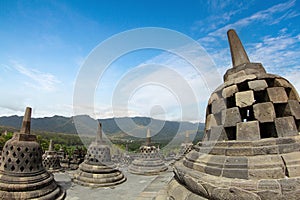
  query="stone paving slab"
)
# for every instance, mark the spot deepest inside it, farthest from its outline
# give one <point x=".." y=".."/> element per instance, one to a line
<point x="136" y="187"/>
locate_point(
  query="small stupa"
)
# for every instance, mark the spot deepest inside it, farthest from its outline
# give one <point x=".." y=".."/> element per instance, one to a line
<point x="97" y="170"/>
<point x="251" y="146"/>
<point x="51" y="159"/>
<point x="185" y="147"/>
<point x="22" y="175"/>
<point x="149" y="161"/>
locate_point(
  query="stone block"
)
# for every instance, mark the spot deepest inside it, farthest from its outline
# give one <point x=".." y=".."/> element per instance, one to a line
<point x="285" y="126"/>
<point x="231" y="116"/>
<point x="210" y="122"/>
<point x="280" y="82"/>
<point x="277" y="95"/>
<point x="244" y="99"/>
<point x="248" y="131"/>
<point x="292" y="108"/>
<point x="264" y="112"/>
<point x="213" y="98"/>
<point x="229" y="91"/>
<point x="234" y="75"/>
<point x="257" y="85"/>
<point x="217" y="133"/>
<point x="218" y="105"/>
<point x="292" y="161"/>
<point x="233" y="193"/>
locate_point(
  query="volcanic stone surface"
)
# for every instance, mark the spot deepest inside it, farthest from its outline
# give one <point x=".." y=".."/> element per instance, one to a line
<point x="251" y="144"/>
<point x="149" y="161"/>
<point x="97" y="170"/>
<point x="22" y="175"/>
<point x="51" y="159"/>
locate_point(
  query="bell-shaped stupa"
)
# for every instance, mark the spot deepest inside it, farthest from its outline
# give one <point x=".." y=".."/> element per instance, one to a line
<point x="251" y="144"/>
<point x="98" y="170"/>
<point x="185" y="147"/>
<point x="51" y="159"/>
<point x="149" y="161"/>
<point x="22" y="175"/>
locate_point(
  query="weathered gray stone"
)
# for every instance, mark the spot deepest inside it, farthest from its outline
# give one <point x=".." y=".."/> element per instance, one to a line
<point x="218" y="105"/>
<point x="257" y="85"/>
<point x="217" y="133"/>
<point x="292" y="161"/>
<point x="231" y="116"/>
<point x="210" y="121"/>
<point x="244" y="99"/>
<point x="285" y="126"/>
<point x="229" y="91"/>
<point x="264" y="112"/>
<point x="277" y="95"/>
<point x="248" y="131"/>
<point x="293" y="109"/>
<point x="280" y="82"/>
<point x="213" y="98"/>
<point x="233" y="193"/>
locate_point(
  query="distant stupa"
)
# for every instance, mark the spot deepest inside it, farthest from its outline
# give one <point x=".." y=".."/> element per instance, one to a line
<point x="251" y="146"/>
<point x="97" y="170"/>
<point x="22" y="175"/>
<point x="51" y="159"/>
<point x="149" y="161"/>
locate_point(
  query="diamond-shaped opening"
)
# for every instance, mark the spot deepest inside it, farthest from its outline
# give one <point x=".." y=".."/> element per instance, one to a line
<point x="12" y="168"/>
<point x="19" y="148"/>
<point x="30" y="155"/>
<point x="7" y="152"/>
<point x="30" y="168"/>
<point x="22" y="155"/>
<point x="14" y="154"/>
<point x="3" y="158"/>
<point x="12" y="147"/>
<point x="18" y="161"/>
<point x="9" y="160"/>
<point x="26" y="161"/>
<point x="22" y="168"/>
<point x="26" y="149"/>
<point x="5" y="166"/>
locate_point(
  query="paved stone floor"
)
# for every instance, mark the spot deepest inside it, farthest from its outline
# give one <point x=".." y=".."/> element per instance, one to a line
<point x="136" y="187"/>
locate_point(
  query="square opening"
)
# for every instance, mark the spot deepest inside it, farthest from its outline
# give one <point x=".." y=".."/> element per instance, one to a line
<point x="243" y="86"/>
<point x="280" y="109"/>
<point x="247" y="114"/>
<point x="230" y="102"/>
<point x="208" y="110"/>
<point x="298" y="124"/>
<point x="267" y="130"/>
<point x="270" y="82"/>
<point x="231" y="133"/>
<point x="261" y="96"/>
<point x="291" y="94"/>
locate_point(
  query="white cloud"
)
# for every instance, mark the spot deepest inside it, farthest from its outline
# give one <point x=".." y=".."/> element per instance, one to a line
<point x="41" y="80"/>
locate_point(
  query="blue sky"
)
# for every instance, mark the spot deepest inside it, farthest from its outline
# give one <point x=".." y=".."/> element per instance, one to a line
<point x="45" y="43"/>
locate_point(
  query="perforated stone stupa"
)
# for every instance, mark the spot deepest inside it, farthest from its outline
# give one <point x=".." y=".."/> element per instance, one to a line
<point x="149" y="161"/>
<point x="22" y="175"/>
<point x="51" y="159"/>
<point x="97" y="170"/>
<point x="251" y="147"/>
<point x="185" y="147"/>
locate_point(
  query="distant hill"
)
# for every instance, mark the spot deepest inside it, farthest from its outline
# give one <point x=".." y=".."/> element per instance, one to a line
<point x="134" y="127"/>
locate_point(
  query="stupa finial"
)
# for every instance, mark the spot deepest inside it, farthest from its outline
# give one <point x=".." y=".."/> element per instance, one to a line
<point x="50" y="146"/>
<point x="99" y="133"/>
<point x="25" y="129"/>
<point x="238" y="53"/>
<point x="148" y="137"/>
<point x="187" y="137"/>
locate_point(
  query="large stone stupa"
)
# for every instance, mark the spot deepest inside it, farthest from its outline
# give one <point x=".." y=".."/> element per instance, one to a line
<point x="149" y="161"/>
<point x="251" y="147"/>
<point x="22" y="175"/>
<point x="97" y="170"/>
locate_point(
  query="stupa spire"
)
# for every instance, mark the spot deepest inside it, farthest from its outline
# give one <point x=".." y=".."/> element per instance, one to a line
<point x="238" y="53"/>
<point x="25" y="129"/>
<point x="99" y="133"/>
<point x="148" y="137"/>
<point x="50" y="146"/>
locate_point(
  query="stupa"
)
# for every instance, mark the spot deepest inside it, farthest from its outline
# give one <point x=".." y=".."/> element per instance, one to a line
<point x="185" y="147"/>
<point x="251" y="147"/>
<point x="97" y="170"/>
<point x="51" y="159"/>
<point x="22" y="175"/>
<point x="149" y="161"/>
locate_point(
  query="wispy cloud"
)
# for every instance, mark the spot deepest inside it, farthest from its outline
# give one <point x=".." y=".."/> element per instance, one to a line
<point x="41" y="80"/>
<point x="272" y="15"/>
